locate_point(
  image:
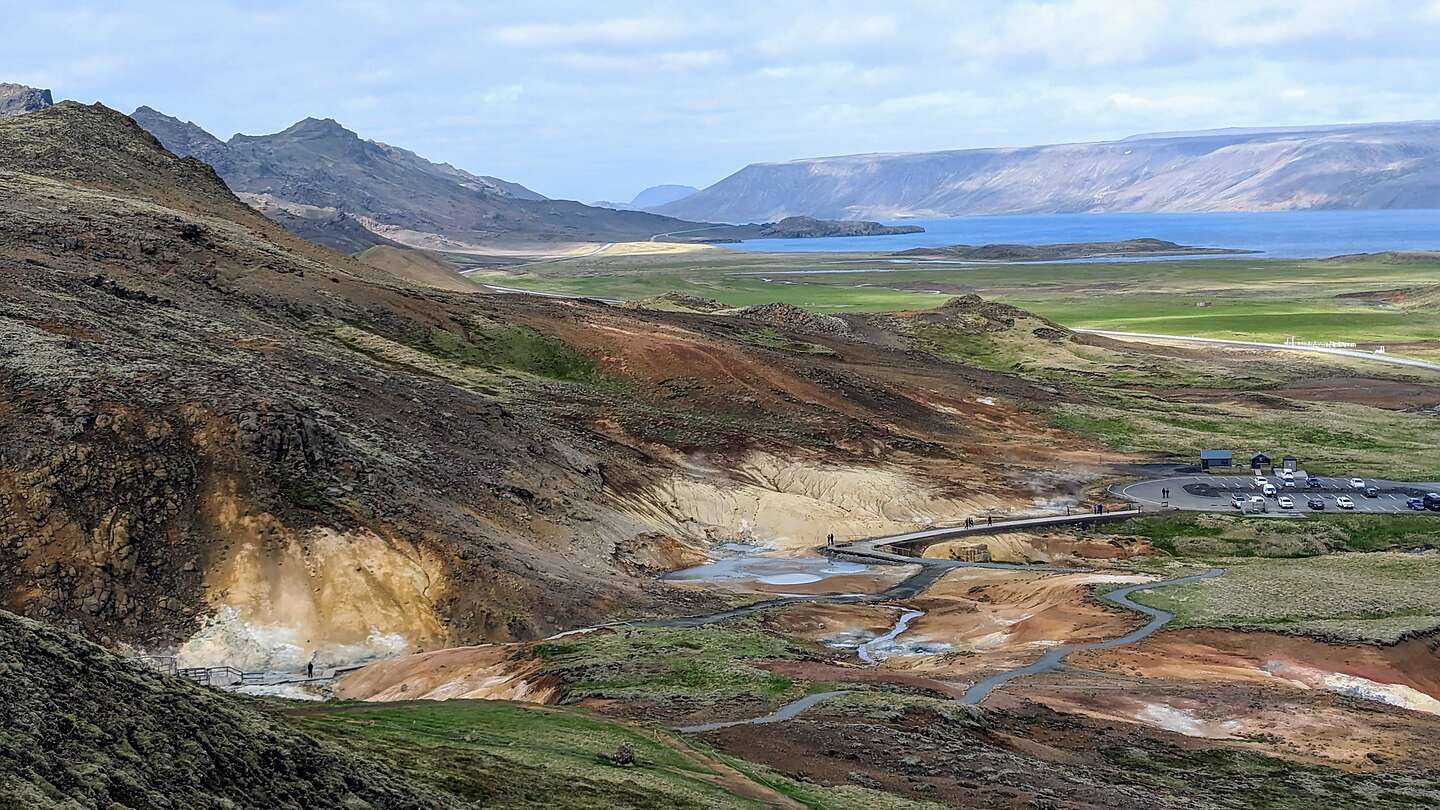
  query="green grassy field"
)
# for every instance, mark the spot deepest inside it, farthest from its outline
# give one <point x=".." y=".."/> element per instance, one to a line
<point x="1243" y="298"/>
<point x="1378" y="597"/>
<point x="1192" y="535"/>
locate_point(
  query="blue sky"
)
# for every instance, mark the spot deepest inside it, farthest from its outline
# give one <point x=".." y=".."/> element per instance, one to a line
<point x="599" y="100"/>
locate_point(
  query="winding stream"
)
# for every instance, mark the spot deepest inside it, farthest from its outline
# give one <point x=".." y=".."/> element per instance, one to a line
<point x="869" y="650"/>
<point x="1051" y="660"/>
<point x="976" y="694"/>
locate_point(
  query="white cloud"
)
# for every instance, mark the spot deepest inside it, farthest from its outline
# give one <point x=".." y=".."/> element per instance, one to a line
<point x="506" y="94"/>
<point x="618" y="31"/>
<point x="675" y="91"/>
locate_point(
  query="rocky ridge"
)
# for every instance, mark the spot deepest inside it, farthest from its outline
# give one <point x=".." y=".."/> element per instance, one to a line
<point x="17" y="99"/>
<point x="1368" y="166"/>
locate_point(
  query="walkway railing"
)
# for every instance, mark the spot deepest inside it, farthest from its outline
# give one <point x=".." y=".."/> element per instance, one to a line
<point x="913" y="544"/>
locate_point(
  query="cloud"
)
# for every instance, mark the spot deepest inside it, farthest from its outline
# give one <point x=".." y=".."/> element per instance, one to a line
<point x="598" y="100"/>
<point x="618" y="31"/>
<point x="506" y="94"/>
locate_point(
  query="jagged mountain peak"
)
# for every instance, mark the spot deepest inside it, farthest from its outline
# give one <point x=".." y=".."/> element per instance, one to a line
<point x="18" y="99"/>
<point x="318" y="126"/>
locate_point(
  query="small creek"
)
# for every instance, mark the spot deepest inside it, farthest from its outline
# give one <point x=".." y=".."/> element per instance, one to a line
<point x="881" y="647"/>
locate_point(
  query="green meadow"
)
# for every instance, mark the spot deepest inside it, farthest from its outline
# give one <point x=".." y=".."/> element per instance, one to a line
<point x="1362" y="300"/>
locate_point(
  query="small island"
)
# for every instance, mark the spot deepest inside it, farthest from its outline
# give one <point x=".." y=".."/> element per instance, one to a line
<point x="811" y="228"/>
<point x="789" y="228"/>
<point x="1130" y="248"/>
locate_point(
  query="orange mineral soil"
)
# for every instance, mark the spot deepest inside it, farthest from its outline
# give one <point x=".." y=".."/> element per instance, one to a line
<point x="996" y="619"/>
<point x="490" y="672"/>
<point x="1353" y="705"/>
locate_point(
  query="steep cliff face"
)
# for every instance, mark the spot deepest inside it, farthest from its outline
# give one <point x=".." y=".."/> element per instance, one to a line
<point x="1369" y="166"/>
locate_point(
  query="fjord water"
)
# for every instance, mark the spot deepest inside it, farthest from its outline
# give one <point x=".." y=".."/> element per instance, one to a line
<point x="1279" y="234"/>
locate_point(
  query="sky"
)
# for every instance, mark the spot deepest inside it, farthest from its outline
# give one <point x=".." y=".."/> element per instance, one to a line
<point x="598" y="100"/>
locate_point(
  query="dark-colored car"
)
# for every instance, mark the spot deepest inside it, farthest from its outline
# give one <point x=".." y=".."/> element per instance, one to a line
<point x="1417" y="504"/>
<point x="1316" y="503"/>
<point x="1313" y="483"/>
<point x="1372" y="492"/>
<point x="1432" y="501"/>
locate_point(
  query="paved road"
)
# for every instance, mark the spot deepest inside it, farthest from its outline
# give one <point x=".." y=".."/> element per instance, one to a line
<point x="1212" y="493"/>
<point x="1051" y="660"/>
<point x="658" y="236"/>
<point x="1251" y="344"/>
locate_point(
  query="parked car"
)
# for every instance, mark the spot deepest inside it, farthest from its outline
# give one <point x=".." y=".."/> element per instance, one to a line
<point x="1289" y="483"/>
<point x="1344" y="502"/>
<point x="1314" y="483"/>
<point x="1261" y="480"/>
<point x="1372" y="492"/>
<point x="1238" y="501"/>
<point x="1268" y="490"/>
<point x="1288" y="475"/>
<point x="1417" y="504"/>
<point x="1285" y="502"/>
<point x="1357" y="483"/>
<point x="1315" y="503"/>
<point x="1432" y="501"/>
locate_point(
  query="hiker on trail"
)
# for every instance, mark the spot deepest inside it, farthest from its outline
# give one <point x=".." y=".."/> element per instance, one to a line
<point x="830" y="539"/>
<point x="969" y="523"/>
<point x="310" y="667"/>
<point x="989" y="520"/>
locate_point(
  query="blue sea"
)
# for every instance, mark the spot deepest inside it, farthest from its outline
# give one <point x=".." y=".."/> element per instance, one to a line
<point x="1287" y="234"/>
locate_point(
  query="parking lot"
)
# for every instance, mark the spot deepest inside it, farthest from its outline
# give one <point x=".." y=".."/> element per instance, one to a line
<point x="1212" y="493"/>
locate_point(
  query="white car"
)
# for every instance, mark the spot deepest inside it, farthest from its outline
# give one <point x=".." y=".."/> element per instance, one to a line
<point x="1289" y="483"/>
<point x="1344" y="502"/>
<point x="1288" y="475"/>
<point x="1269" y="490"/>
<point x="1285" y="502"/>
<point x="1238" y="501"/>
<point x="1261" y="480"/>
<point x="1357" y="483"/>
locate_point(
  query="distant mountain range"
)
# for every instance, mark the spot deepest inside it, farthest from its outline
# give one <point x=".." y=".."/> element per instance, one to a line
<point x="326" y="183"/>
<point x="1343" y="166"/>
<point x="651" y="197"/>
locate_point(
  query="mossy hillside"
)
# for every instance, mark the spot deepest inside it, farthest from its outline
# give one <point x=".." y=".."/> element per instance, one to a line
<point x="502" y="754"/>
<point x="709" y="664"/>
<point x="81" y="727"/>
<point x="492" y="344"/>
